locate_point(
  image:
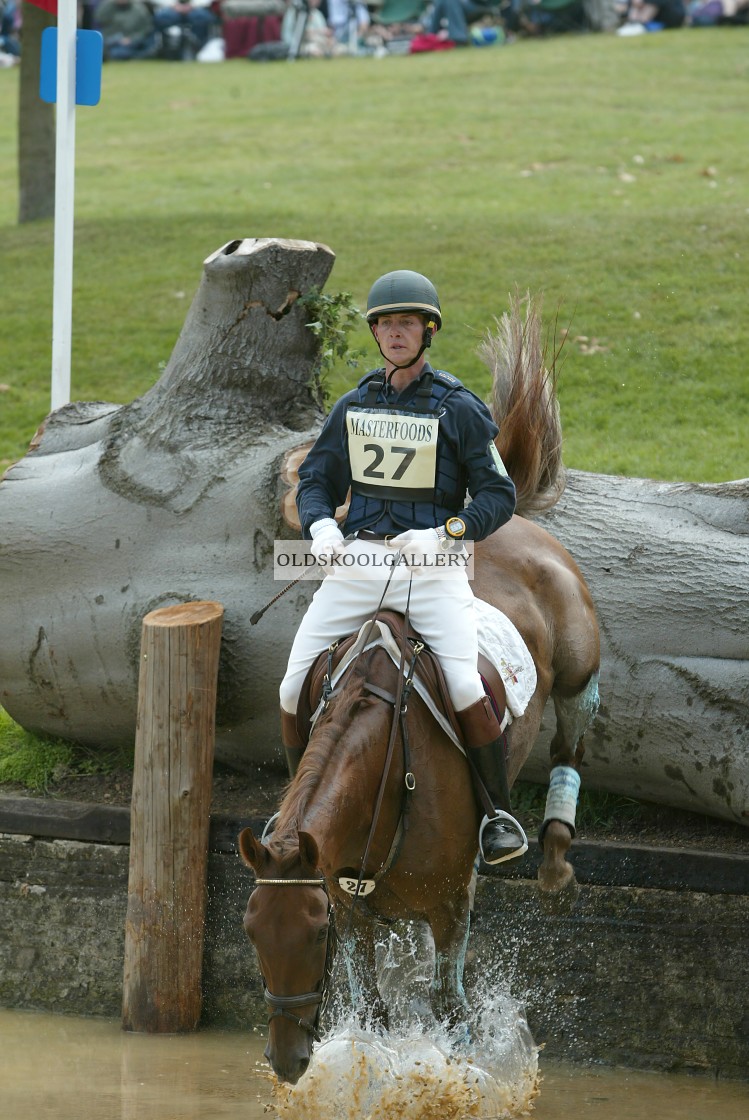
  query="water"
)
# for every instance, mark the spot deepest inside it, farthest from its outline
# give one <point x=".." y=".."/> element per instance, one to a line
<point x="357" y="1074"/>
<point x="57" y="1068"/>
<point x="419" y="1071"/>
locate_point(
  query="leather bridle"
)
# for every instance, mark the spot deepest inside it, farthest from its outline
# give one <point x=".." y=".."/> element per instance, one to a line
<point x="283" y="1006"/>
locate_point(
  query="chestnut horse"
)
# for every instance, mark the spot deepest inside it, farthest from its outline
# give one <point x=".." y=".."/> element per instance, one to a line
<point x="325" y="823"/>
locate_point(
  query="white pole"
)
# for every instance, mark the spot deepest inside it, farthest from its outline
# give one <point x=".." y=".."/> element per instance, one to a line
<point x="62" y="303"/>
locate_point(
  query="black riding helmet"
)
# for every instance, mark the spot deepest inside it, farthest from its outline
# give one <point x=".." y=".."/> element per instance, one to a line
<point x="404" y="291"/>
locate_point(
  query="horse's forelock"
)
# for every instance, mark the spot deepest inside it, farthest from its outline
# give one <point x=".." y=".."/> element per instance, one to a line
<point x="284" y="852"/>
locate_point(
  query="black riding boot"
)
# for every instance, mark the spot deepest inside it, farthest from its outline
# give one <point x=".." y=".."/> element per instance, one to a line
<point x="501" y="837"/>
<point x="292" y="742"/>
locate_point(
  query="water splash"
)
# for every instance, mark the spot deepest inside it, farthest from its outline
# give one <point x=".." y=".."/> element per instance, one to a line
<point x="418" y="1070"/>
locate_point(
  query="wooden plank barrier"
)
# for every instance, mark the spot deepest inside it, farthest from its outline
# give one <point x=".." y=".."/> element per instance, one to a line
<point x="172" y="785"/>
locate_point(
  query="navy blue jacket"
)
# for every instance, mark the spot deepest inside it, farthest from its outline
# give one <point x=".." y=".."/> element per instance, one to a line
<point x="466" y="462"/>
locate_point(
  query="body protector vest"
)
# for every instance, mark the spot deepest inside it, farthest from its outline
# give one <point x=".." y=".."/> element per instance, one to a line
<point x="404" y="471"/>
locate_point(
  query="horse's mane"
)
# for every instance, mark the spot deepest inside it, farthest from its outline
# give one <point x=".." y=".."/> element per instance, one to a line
<point x="323" y="742"/>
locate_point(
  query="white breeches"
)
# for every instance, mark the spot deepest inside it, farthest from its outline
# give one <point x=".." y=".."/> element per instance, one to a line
<point x="441" y="610"/>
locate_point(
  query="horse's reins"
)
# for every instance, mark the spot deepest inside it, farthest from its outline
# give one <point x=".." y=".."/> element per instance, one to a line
<point x="282" y="1006"/>
<point x="400" y="707"/>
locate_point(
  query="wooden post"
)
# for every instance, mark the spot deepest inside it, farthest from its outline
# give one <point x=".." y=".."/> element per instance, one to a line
<point x="172" y="781"/>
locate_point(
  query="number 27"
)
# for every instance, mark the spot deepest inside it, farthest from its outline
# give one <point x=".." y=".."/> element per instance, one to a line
<point x="379" y="454"/>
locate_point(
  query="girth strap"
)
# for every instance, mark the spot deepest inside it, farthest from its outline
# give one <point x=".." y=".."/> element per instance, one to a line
<point x="327" y="687"/>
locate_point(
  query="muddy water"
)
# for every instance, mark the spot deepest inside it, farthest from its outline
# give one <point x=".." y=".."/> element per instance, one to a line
<point x="56" y="1068"/>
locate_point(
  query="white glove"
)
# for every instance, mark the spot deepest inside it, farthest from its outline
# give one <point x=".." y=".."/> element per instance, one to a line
<point x="416" y="545"/>
<point x="327" y="540"/>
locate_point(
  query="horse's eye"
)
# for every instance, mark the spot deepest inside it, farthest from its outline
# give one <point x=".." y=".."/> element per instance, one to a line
<point x="322" y="933"/>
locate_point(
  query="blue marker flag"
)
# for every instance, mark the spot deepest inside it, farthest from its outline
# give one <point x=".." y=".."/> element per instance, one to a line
<point x="89" y="56"/>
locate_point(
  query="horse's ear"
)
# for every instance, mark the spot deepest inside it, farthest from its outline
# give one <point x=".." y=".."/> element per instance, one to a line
<point x="251" y="850"/>
<point x="308" y="850"/>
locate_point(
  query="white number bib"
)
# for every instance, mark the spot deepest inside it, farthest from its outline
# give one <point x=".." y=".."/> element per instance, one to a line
<point x="392" y="454"/>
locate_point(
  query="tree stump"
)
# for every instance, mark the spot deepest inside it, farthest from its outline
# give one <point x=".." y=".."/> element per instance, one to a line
<point x="117" y="511"/>
<point x="170" y="817"/>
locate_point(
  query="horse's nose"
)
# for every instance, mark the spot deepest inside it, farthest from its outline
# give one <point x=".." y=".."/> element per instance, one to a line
<point x="291" y="1071"/>
<point x="288" y="1069"/>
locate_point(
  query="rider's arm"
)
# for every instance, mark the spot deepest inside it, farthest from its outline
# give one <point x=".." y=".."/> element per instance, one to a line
<point x="325" y="475"/>
<point x="492" y="490"/>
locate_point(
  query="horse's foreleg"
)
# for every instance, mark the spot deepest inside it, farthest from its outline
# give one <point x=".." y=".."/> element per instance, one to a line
<point x="450" y="925"/>
<point x="361" y="967"/>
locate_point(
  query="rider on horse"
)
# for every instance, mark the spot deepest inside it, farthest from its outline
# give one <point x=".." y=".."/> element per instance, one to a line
<point x="414" y="499"/>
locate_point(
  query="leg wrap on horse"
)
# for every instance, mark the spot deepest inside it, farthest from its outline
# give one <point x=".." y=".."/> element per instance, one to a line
<point x="292" y="742"/>
<point x="561" y="800"/>
<point x="501" y="837"/>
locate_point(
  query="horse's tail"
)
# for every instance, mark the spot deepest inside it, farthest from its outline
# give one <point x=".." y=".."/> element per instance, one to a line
<point x="524" y="405"/>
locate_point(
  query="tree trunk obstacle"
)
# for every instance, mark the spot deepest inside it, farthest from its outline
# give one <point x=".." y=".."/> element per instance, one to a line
<point x="117" y="511"/>
<point x="172" y="780"/>
<point x="668" y="567"/>
<point x="178" y="496"/>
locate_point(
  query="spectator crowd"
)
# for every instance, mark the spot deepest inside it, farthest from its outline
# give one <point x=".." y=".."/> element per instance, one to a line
<point x="214" y="30"/>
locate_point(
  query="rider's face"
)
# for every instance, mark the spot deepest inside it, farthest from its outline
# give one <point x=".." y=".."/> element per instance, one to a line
<point x="400" y="336"/>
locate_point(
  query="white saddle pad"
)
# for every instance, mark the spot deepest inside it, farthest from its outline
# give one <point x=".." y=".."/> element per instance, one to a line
<point x="501" y="642"/>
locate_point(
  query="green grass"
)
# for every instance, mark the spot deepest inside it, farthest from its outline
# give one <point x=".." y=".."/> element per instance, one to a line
<point x="28" y="761"/>
<point x="38" y="763"/>
<point x="606" y="174"/>
<point x="595" y="809"/>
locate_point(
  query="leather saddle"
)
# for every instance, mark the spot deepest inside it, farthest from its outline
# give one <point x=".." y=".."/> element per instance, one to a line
<point x="428" y="670"/>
